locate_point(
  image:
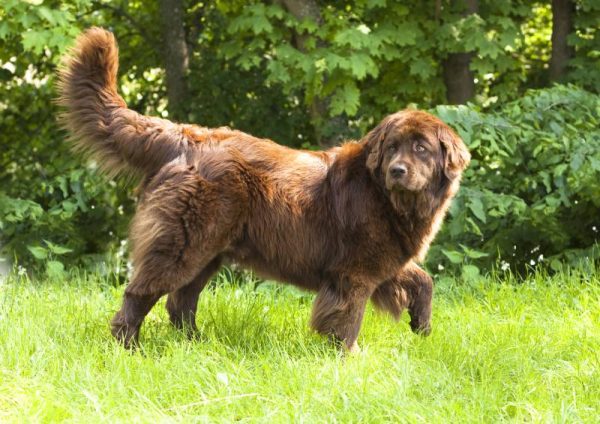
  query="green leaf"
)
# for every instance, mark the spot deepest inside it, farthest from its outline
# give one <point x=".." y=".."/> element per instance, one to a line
<point x="556" y="265"/>
<point x="69" y="206"/>
<point x="261" y="25"/>
<point x="47" y="14"/>
<point x="577" y="160"/>
<point x="423" y="68"/>
<point x="470" y="272"/>
<point x="362" y="65"/>
<point x="278" y="72"/>
<point x="454" y="256"/>
<point x="371" y="4"/>
<point x="406" y="34"/>
<point x="34" y="40"/>
<point x="476" y="206"/>
<point x="56" y="249"/>
<point x="55" y="269"/>
<point x="38" y="252"/>
<point x="345" y="100"/>
<point x="472" y="253"/>
<point x="356" y="38"/>
<point x="595" y="163"/>
<point x="336" y="61"/>
<point x="4" y="30"/>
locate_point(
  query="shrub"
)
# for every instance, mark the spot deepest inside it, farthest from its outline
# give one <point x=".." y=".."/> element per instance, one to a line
<point x="532" y="191"/>
<point x="53" y="209"/>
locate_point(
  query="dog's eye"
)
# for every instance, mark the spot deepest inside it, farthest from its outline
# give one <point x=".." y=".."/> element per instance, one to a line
<point x="391" y="148"/>
<point x="420" y="148"/>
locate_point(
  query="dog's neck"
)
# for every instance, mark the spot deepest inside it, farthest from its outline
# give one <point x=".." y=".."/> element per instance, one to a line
<point x="415" y="216"/>
<point x="419" y="206"/>
<point x="420" y="215"/>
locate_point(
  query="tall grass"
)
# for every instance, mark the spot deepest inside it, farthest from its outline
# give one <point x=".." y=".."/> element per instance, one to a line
<point x="500" y="351"/>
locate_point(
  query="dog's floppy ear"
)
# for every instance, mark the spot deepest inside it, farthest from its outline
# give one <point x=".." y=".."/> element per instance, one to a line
<point x="374" y="141"/>
<point x="456" y="155"/>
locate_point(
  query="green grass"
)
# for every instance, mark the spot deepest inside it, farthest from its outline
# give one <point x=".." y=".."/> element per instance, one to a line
<point x="499" y="351"/>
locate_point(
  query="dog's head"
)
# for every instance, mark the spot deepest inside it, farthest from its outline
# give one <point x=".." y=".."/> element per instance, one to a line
<point x="414" y="151"/>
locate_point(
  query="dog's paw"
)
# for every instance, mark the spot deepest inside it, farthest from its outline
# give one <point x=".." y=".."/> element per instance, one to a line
<point x="124" y="334"/>
<point x="421" y="328"/>
<point x="353" y="349"/>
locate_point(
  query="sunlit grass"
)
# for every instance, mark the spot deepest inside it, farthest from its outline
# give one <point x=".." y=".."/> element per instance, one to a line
<point x="500" y="350"/>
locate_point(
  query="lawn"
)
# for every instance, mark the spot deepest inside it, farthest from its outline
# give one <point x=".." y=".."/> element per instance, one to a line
<point x="500" y="350"/>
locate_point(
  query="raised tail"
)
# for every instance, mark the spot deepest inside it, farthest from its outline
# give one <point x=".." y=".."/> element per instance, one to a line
<point x="119" y="139"/>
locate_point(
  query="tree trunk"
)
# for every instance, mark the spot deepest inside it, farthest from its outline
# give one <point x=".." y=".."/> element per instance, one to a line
<point x="175" y="56"/>
<point x="562" y="26"/>
<point x="458" y="77"/>
<point x="303" y="9"/>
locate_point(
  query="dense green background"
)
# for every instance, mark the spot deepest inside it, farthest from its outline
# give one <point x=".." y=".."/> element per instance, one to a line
<point x="531" y="195"/>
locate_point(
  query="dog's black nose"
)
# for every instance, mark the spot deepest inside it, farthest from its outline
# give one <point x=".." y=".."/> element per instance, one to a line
<point x="398" y="170"/>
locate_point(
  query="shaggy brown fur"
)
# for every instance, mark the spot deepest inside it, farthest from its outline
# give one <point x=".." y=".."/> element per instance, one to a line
<point x="348" y="223"/>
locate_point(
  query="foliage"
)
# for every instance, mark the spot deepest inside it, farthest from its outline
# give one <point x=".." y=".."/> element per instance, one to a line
<point x="225" y="94"/>
<point x="499" y="351"/>
<point x="37" y="27"/>
<point x="532" y="191"/>
<point x="373" y="57"/>
<point x="50" y="206"/>
<point x="586" y="41"/>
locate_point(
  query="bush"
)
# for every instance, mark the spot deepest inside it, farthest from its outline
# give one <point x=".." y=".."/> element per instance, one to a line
<point x="53" y="209"/>
<point x="532" y="192"/>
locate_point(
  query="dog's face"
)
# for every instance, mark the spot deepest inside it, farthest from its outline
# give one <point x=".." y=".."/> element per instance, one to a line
<point x="409" y="159"/>
<point x="413" y="150"/>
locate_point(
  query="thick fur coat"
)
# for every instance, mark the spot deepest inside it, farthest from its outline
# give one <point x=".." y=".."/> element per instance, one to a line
<point x="349" y="223"/>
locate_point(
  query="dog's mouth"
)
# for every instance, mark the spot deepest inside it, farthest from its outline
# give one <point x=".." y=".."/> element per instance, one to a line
<point x="403" y="184"/>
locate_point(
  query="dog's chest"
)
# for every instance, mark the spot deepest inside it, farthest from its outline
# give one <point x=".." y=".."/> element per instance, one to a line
<point x="372" y="253"/>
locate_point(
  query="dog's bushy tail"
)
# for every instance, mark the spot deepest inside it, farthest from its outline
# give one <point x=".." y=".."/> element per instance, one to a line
<point x="101" y="125"/>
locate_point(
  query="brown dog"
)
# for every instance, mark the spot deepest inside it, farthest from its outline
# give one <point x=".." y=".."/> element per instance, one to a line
<point x="349" y="223"/>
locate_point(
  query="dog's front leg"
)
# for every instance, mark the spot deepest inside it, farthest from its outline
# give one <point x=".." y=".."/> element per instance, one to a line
<point x="338" y="312"/>
<point x="410" y="288"/>
<point x="420" y="288"/>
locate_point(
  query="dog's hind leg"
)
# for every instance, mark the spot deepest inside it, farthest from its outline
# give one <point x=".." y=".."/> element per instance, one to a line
<point x="127" y="322"/>
<point x="183" y="302"/>
<point x="156" y="275"/>
<point x="411" y="288"/>
<point x="180" y="228"/>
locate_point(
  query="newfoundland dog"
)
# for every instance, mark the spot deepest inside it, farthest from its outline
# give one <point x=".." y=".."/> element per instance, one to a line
<point x="350" y="223"/>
